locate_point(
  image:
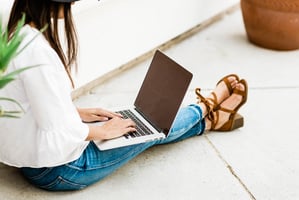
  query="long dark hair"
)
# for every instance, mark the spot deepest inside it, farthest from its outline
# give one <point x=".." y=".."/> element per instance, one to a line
<point x="46" y="12"/>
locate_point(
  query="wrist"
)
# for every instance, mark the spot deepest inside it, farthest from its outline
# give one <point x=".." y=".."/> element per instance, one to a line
<point x="96" y="133"/>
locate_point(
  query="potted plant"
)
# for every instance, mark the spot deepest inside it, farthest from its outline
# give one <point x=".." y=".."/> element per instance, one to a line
<point x="272" y="24"/>
<point x="9" y="49"/>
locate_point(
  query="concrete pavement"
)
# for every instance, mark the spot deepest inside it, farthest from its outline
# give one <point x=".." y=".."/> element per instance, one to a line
<point x="258" y="161"/>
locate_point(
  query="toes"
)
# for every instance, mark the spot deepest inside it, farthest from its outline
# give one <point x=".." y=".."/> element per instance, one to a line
<point x="233" y="81"/>
<point x="230" y="83"/>
<point x="240" y="86"/>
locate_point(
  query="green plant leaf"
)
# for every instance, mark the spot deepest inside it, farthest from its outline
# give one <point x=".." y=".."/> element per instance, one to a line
<point x="12" y="112"/>
<point x="9" y="46"/>
<point x="13" y="101"/>
<point x="9" y="53"/>
<point x="4" y="80"/>
<point x="10" y="115"/>
<point x="9" y="49"/>
<point x="16" y="72"/>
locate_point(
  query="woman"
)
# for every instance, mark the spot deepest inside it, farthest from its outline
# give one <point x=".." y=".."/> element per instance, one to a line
<point x="54" y="147"/>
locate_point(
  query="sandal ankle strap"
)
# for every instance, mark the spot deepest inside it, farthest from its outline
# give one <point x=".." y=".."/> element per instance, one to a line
<point x="211" y="105"/>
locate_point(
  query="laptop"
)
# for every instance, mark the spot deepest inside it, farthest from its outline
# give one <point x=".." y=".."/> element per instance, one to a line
<point x="157" y="103"/>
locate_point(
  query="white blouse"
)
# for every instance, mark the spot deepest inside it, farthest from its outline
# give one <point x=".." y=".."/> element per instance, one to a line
<point x="50" y="131"/>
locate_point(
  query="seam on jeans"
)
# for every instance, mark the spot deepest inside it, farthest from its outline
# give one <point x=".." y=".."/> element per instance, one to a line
<point x="40" y="175"/>
<point x="74" y="167"/>
<point x="197" y="109"/>
<point x="59" y="180"/>
<point x="124" y="157"/>
<point x="107" y="164"/>
<point x="79" y="168"/>
<point x="201" y="119"/>
<point x="198" y="112"/>
<point x="83" y="168"/>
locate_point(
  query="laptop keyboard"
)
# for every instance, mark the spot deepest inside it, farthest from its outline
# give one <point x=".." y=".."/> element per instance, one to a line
<point x="142" y="130"/>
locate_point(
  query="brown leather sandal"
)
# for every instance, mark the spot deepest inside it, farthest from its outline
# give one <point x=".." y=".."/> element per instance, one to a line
<point x="212" y="104"/>
<point x="235" y="120"/>
<point x="227" y="83"/>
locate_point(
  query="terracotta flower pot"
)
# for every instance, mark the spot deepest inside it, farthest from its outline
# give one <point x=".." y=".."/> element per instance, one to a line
<point x="272" y="24"/>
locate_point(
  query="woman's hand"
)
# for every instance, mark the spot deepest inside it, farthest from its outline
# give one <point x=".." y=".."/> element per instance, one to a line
<point x="113" y="128"/>
<point x="96" y="114"/>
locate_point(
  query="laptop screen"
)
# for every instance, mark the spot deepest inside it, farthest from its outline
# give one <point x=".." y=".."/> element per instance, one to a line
<point x="162" y="91"/>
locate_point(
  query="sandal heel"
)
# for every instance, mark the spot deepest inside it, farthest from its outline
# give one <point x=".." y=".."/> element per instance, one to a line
<point x="237" y="121"/>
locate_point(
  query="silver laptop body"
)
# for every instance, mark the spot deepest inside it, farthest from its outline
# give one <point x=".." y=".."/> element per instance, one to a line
<point x="157" y="103"/>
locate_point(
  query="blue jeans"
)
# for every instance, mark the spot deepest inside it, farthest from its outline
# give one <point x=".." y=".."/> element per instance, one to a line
<point x="93" y="165"/>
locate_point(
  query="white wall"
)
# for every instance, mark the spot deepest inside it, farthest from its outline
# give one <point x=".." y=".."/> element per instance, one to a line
<point x="113" y="32"/>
